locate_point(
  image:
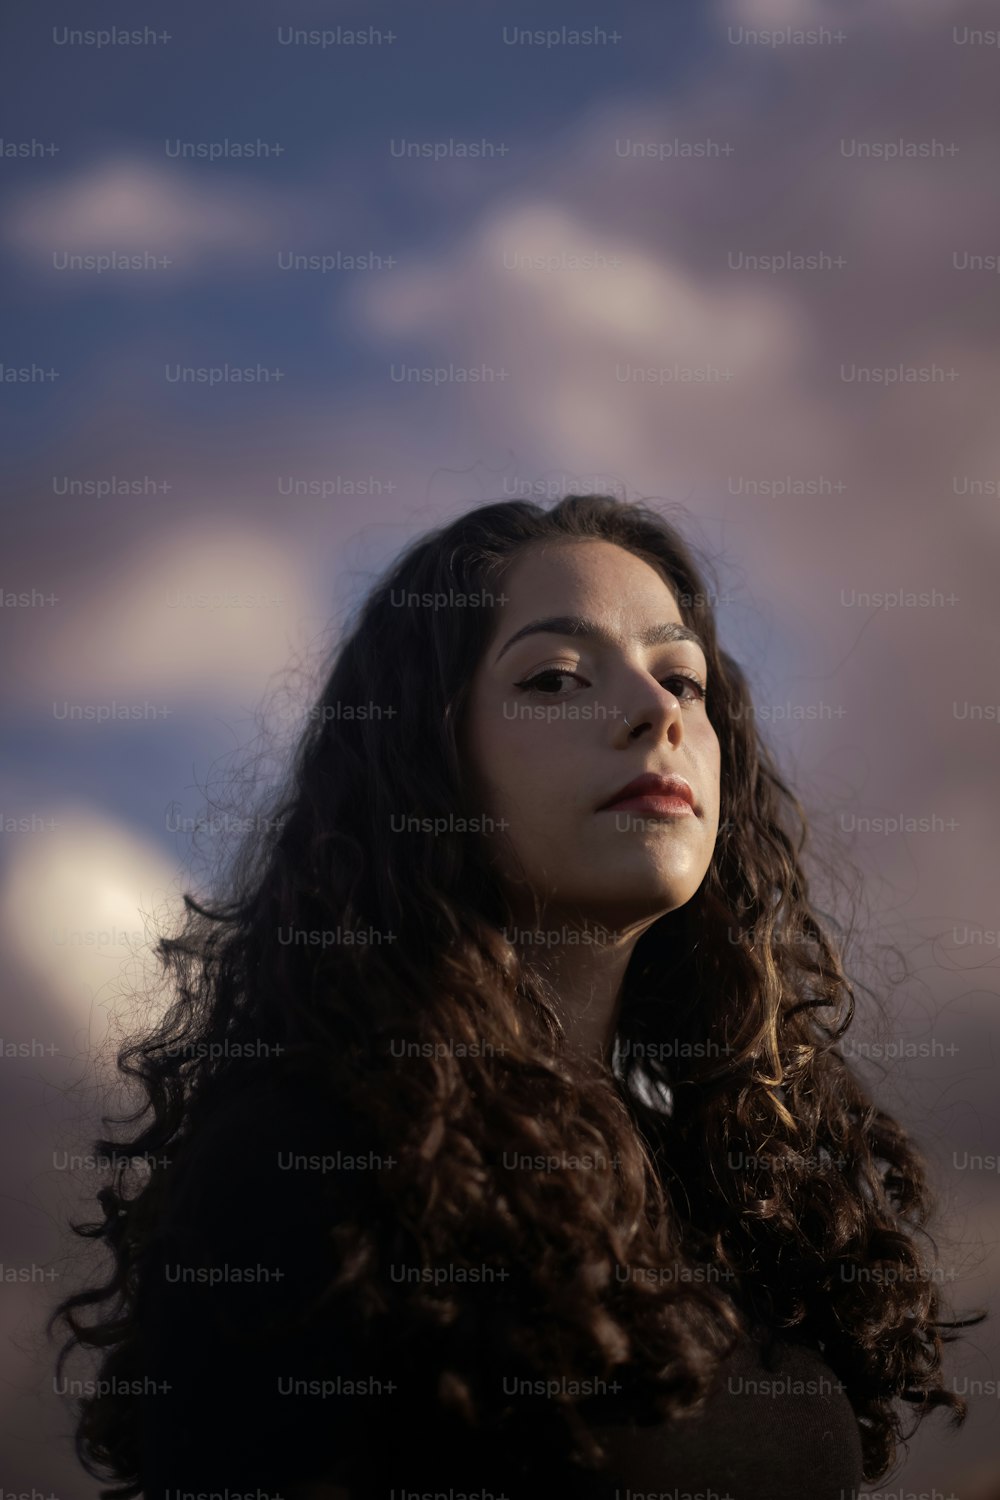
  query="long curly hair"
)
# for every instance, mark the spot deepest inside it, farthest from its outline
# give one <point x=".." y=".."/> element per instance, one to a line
<point x="732" y="1011"/>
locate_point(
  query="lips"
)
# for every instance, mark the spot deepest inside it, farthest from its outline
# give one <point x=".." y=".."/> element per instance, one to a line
<point x="652" y="785"/>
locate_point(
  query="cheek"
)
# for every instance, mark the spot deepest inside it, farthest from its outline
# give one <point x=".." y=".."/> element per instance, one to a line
<point x="518" y="758"/>
<point x="499" y="752"/>
<point x="709" y="754"/>
<point x="712" y="752"/>
<point x="525" y="763"/>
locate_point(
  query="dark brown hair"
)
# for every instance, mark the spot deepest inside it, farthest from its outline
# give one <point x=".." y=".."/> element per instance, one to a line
<point x="744" y="1057"/>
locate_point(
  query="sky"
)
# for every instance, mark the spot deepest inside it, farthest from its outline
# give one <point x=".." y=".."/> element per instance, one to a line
<point x="738" y="259"/>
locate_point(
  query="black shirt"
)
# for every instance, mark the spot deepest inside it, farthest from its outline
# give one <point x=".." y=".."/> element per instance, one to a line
<point x="245" y="1238"/>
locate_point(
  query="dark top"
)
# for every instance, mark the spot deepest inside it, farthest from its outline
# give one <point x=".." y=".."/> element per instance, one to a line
<point x="245" y="1237"/>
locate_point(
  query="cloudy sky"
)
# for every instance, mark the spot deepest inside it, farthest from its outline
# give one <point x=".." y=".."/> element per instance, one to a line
<point x="737" y="259"/>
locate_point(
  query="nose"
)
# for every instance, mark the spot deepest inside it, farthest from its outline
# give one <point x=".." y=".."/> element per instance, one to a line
<point x="657" y="711"/>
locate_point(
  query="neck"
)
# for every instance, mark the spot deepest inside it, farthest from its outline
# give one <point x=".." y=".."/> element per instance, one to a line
<point x="587" y="981"/>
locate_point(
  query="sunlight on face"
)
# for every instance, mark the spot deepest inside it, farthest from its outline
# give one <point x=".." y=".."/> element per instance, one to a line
<point x="548" y="744"/>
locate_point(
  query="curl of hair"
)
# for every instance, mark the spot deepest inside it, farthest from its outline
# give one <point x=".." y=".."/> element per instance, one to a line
<point x="733" y="1008"/>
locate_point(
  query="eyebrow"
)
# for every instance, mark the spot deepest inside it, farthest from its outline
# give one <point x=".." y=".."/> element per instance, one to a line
<point x="655" y="635"/>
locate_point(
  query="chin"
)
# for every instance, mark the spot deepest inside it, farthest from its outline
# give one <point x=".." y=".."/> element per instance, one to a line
<point x="628" y="901"/>
<point x="648" y="868"/>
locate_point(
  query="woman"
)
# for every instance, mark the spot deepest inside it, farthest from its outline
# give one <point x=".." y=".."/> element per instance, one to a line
<point x="499" y="1137"/>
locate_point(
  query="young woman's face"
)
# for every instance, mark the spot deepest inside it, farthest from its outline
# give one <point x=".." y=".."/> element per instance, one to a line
<point x="545" y="758"/>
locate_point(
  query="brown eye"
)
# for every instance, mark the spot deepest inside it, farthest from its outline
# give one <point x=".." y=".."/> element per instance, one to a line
<point x="700" y="691"/>
<point x="531" y="684"/>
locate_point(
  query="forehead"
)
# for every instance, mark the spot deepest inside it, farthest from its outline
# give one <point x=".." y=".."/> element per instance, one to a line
<point x="606" y="578"/>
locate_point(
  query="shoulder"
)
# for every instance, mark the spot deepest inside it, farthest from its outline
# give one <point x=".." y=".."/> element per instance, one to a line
<point x="256" y="1208"/>
<point x="241" y="1326"/>
<point x="275" y="1139"/>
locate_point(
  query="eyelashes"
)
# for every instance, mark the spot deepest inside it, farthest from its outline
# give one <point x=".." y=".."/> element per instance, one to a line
<point x="531" y="684"/>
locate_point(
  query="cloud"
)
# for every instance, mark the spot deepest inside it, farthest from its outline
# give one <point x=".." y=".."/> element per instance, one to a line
<point x="78" y="912"/>
<point x="603" y="362"/>
<point x="835" y="14"/>
<point x="205" y="611"/>
<point x="674" y="300"/>
<point x="129" y="204"/>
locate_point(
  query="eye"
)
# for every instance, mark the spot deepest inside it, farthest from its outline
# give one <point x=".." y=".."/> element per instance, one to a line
<point x="553" y="674"/>
<point x="699" y="688"/>
<point x="532" y="684"/>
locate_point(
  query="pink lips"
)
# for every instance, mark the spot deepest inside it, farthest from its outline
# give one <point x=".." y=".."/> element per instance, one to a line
<point x="653" y="794"/>
<point x="655" y="807"/>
